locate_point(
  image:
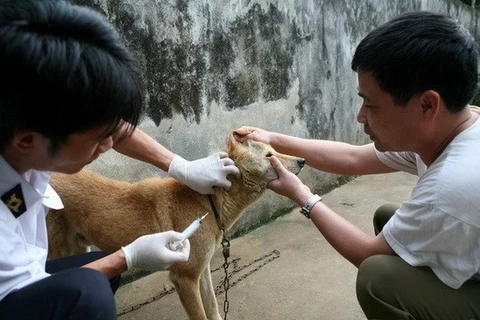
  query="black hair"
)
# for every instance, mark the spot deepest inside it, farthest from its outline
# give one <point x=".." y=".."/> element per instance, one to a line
<point x="421" y="51"/>
<point x="63" y="70"/>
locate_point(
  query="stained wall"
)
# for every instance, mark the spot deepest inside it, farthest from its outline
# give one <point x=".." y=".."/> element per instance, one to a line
<point x="282" y="65"/>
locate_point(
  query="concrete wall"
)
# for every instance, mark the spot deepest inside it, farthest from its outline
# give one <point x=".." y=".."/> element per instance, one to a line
<point x="213" y="65"/>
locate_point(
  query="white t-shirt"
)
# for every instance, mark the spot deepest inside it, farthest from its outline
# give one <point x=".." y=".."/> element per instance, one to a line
<point x="23" y="240"/>
<point x="439" y="226"/>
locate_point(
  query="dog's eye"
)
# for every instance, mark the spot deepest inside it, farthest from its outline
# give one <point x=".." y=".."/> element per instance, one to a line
<point x="268" y="155"/>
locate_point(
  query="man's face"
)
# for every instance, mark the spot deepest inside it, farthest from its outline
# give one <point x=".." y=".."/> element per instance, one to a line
<point x="78" y="150"/>
<point x="390" y="127"/>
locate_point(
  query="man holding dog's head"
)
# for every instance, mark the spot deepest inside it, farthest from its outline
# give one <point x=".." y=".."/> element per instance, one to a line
<point x="69" y="91"/>
<point x="416" y="76"/>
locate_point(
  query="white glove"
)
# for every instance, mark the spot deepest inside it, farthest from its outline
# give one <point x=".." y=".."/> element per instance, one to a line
<point x="203" y="174"/>
<point x="152" y="251"/>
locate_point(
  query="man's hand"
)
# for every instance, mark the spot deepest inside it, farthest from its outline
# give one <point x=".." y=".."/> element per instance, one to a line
<point x="152" y="251"/>
<point x="288" y="184"/>
<point x="246" y="133"/>
<point x="203" y="174"/>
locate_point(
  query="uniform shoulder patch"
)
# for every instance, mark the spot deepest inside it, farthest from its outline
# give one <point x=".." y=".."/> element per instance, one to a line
<point x="14" y="200"/>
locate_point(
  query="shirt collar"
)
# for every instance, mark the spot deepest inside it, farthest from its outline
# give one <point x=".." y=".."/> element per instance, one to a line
<point x="34" y="185"/>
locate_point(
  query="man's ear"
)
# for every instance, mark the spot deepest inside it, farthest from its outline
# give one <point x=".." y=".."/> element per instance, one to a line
<point x="24" y="140"/>
<point x="430" y="103"/>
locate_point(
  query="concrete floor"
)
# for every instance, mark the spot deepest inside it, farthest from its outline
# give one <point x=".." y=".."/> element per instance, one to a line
<point x="297" y="276"/>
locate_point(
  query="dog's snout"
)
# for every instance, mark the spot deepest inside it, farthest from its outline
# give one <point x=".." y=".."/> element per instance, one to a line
<point x="301" y="162"/>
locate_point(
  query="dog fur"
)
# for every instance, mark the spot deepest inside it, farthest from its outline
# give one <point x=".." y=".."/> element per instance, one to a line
<point x="110" y="214"/>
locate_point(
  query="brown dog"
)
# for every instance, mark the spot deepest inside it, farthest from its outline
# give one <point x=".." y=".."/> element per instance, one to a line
<point x="110" y="214"/>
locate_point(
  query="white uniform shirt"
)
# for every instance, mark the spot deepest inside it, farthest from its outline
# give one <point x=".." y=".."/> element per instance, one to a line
<point x="439" y="226"/>
<point x="23" y="240"/>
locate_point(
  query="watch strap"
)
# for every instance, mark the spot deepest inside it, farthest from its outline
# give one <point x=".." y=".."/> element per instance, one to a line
<point x="305" y="210"/>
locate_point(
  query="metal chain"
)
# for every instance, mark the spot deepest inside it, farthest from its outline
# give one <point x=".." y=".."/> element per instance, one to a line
<point x="148" y="301"/>
<point x="225" y="283"/>
<point x="233" y="261"/>
<point x="226" y="280"/>
<point x="275" y="254"/>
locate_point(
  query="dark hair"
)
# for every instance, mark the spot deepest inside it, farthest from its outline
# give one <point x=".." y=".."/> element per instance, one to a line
<point x="421" y="51"/>
<point x="63" y="70"/>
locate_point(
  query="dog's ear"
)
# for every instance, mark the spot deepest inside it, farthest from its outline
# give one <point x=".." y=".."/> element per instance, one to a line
<point x="237" y="136"/>
<point x="241" y="132"/>
<point x="232" y="143"/>
<point x="232" y="138"/>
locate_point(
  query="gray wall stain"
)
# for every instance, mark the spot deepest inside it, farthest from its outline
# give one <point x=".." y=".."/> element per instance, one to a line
<point x="179" y="72"/>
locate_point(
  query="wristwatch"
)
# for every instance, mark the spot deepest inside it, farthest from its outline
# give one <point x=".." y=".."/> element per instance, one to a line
<point x="305" y="210"/>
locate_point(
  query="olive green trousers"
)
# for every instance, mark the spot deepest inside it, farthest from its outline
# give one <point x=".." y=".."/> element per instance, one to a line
<point x="389" y="288"/>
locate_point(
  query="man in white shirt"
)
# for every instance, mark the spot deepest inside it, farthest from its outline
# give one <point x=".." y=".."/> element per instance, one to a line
<point x="69" y="91"/>
<point x="417" y="75"/>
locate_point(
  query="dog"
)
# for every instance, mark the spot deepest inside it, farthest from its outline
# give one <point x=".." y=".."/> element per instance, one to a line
<point x="110" y="214"/>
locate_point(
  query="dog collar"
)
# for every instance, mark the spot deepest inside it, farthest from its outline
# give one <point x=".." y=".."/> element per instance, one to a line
<point x="214" y="209"/>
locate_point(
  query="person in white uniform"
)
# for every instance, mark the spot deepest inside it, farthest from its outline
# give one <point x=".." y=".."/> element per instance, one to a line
<point x="417" y="75"/>
<point x="69" y="91"/>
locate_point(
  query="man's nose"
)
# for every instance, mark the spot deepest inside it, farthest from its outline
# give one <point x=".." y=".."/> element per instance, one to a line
<point x="361" y="116"/>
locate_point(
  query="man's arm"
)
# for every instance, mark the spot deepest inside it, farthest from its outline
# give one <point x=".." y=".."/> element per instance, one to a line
<point x="150" y="252"/>
<point x="329" y="156"/>
<point x="141" y="146"/>
<point x="200" y="175"/>
<point x="111" y="265"/>
<point x="334" y="157"/>
<point x="351" y="242"/>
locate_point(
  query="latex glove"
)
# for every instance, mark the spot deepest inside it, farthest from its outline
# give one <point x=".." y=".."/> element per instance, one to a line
<point x="153" y="252"/>
<point x="203" y="174"/>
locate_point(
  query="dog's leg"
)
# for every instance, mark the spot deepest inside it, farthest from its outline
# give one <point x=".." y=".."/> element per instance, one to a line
<point x="208" y="295"/>
<point x="189" y="293"/>
<point x="59" y="234"/>
<point x="80" y="244"/>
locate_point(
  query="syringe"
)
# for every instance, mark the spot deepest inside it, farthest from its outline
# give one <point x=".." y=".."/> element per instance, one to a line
<point x="188" y="232"/>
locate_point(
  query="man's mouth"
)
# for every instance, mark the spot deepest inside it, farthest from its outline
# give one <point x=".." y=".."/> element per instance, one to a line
<point x="367" y="132"/>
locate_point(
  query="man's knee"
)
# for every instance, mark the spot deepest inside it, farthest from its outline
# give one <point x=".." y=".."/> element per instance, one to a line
<point x="371" y="276"/>
<point x="91" y="295"/>
<point x="378" y="284"/>
<point x="382" y="215"/>
<point x="77" y="293"/>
